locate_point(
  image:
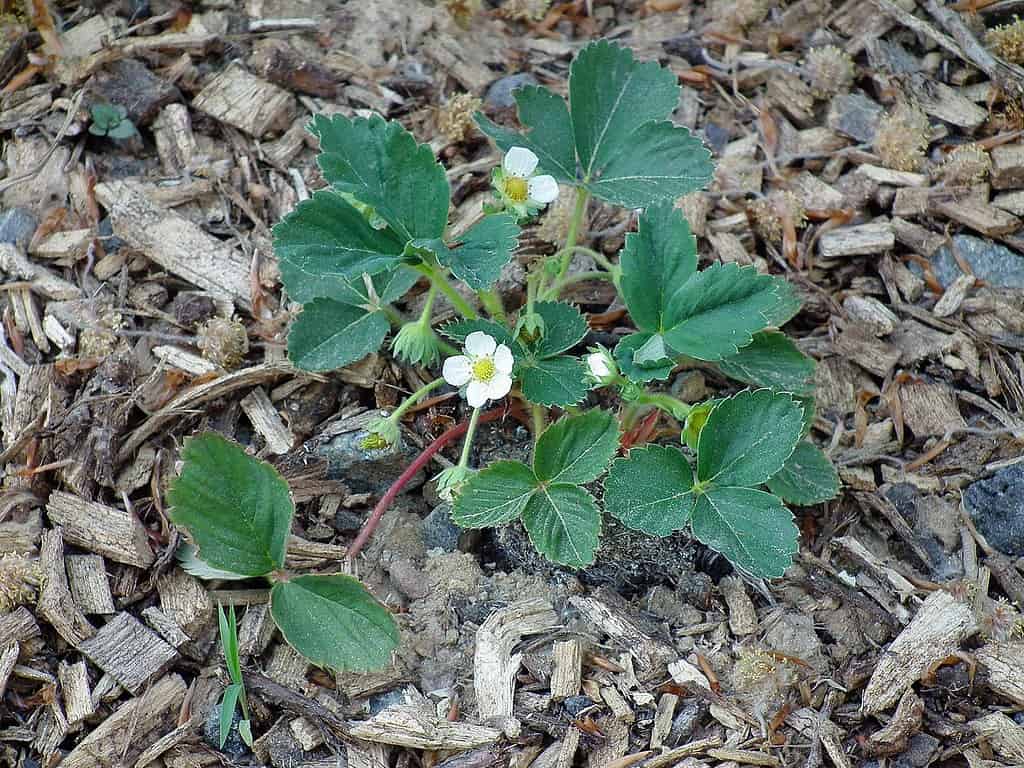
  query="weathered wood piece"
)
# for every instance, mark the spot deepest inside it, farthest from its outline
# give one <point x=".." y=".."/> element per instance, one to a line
<point x="20" y="626"/>
<point x="979" y="216"/>
<point x="929" y="408"/>
<point x="128" y="652"/>
<point x="175" y="142"/>
<point x="649" y="653"/>
<point x="742" y="615"/>
<point x="74" y="685"/>
<point x="184" y="360"/>
<point x="253" y="105"/>
<point x="267" y="421"/>
<point x="108" y="531"/>
<point x="566" y="669"/>
<point x="1004" y="735"/>
<point x="1008" y="166"/>
<point x="55" y="602"/>
<point x="937" y="629"/>
<point x="175" y="243"/>
<point x="416" y="727"/>
<point x="859" y="240"/>
<point x="17" y="266"/>
<point x="1003" y="664"/>
<point x="9" y="652"/>
<point x="90" y="588"/>
<point x="185" y="600"/>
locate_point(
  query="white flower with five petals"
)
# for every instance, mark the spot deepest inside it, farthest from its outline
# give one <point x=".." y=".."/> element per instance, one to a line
<point x="519" y="188"/>
<point x="485" y="370"/>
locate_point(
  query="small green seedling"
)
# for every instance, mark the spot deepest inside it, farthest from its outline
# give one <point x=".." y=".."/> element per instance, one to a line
<point x="234" y="694"/>
<point x="111" y="120"/>
<point x="356" y="247"/>
<point x="238" y="512"/>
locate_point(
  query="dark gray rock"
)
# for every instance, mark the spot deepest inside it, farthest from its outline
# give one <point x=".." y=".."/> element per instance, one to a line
<point x="439" y="532"/>
<point x="17" y="225"/>
<point x="111" y="242"/>
<point x="132" y="85"/>
<point x="234" y="747"/>
<point x="996" y="505"/>
<point x="347" y="521"/>
<point x="367" y="470"/>
<point x="922" y="749"/>
<point x="499" y="93"/>
<point x="995" y="264"/>
<point x="382" y="701"/>
<point x="854" y="115"/>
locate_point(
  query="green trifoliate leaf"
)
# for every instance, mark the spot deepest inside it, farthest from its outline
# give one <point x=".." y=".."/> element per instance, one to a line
<point x="576" y="449"/>
<point x="329" y="335"/>
<point x="564" y="524"/>
<point x="771" y="360"/>
<point x="495" y="495"/>
<point x="718" y="311"/>
<point x="808" y="477"/>
<point x="482" y="251"/>
<point x="387" y="287"/>
<point x="334" y="622"/>
<point x="381" y="164"/>
<point x="564" y="328"/>
<point x="625" y="356"/>
<point x="549" y="134"/>
<point x="753" y="529"/>
<point x="747" y="438"/>
<point x="237" y="509"/>
<point x="656" y="262"/>
<point x="554" y="381"/>
<point x="325" y="242"/>
<point x="650" y="490"/>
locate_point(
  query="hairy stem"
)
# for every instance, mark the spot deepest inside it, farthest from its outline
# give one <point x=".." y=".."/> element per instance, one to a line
<point x="467" y="444"/>
<point x="366" y="532"/>
<point x="491" y="301"/>
<point x="667" y="403"/>
<point x="582" y="196"/>
<point x="437" y="278"/>
<point x="411" y="400"/>
<point x="538" y="421"/>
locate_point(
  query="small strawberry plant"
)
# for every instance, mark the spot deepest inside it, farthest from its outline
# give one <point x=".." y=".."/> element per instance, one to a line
<point x="350" y="252"/>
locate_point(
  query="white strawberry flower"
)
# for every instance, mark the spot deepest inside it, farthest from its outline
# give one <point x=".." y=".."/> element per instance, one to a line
<point x="601" y="366"/>
<point x="485" y="369"/>
<point x="517" y="185"/>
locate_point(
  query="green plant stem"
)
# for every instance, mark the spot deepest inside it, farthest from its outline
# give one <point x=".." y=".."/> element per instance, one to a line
<point x="582" y="277"/>
<point x="393" y="315"/>
<point x="538" y="421"/>
<point x="667" y="403"/>
<point x="411" y="400"/>
<point x="491" y="301"/>
<point x="428" y="306"/>
<point x="438" y="279"/>
<point x="582" y="196"/>
<point x="467" y="444"/>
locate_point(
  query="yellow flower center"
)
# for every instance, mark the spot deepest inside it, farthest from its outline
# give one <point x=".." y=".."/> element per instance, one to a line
<point x="516" y="189"/>
<point x="484" y="369"/>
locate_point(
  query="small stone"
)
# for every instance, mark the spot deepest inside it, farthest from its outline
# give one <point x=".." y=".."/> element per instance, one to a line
<point x="439" y="532"/>
<point x="17" y="225"/>
<point x="234" y="747"/>
<point x="111" y="242"/>
<point x="347" y="521"/>
<point x="996" y="264"/>
<point x="577" y="705"/>
<point x="996" y="504"/>
<point x="132" y="85"/>
<point x="367" y="470"/>
<point x="854" y="115"/>
<point x="499" y="93"/>
<point x="382" y="701"/>
<point x="665" y="604"/>
<point x="794" y="634"/>
<point x="920" y="752"/>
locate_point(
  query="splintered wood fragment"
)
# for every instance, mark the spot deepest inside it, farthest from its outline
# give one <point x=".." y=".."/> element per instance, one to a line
<point x="255" y="631"/>
<point x="130" y="653"/>
<point x="863" y="556"/>
<point x="185" y="601"/>
<point x="566" y="669"/>
<point x="166" y="627"/>
<point x="20" y="626"/>
<point x="929" y="408"/>
<point x="121" y="738"/>
<point x="893" y="178"/>
<point x="979" y="216"/>
<point x="495" y="665"/>
<point x="175" y="243"/>
<point x="183" y="360"/>
<point x="87" y="577"/>
<point x="175" y="143"/>
<point x="267" y="421"/>
<point x="663" y="719"/>
<point x="288" y="667"/>
<point x="1008" y="166"/>
<point x="417" y="727"/>
<point x="306" y="733"/>
<point x="745" y="756"/>
<point x="905" y="722"/>
<point x="1010" y="201"/>
<point x="742" y="615"/>
<point x="57" y="333"/>
<point x="114" y="533"/>
<point x="304" y="554"/>
<point x="815" y="194"/>
<point x="1003" y="664"/>
<point x="917" y="238"/>
<point x="947" y="104"/>
<point x="74" y="686"/>
<point x="365" y="755"/>
<point x="810" y="723"/>
<point x="954" y="296"/>
<point x="941" y="623"/>
<point x="613" y="747"/>
<point x="55" y="602"/>
<point x="870" y="315"/>
<point x="8" y="659"/>
<point x="17" y="266"/>
<point x="859" y="240"/>
<point x="620" y="709"/>
<point x="649" y="653"/>
<point x="282" y="151"/>
<point x="69" y="245"/>
<point x="249" y="103"/>
<point x="1003" y="735"/>
<point x="674" y="756"/>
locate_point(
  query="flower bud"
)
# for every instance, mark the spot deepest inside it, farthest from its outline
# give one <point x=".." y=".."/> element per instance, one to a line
<point x="416" y="343"/>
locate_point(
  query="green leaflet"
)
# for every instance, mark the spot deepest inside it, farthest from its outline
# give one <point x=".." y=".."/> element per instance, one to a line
<point x="329" y="335"/>
<point x="325" y="242"/>
<point x="771" y="360"/>
<point x="564" y="524"/>
<point x="188" y="558"/>
<point x="650" y="490"/>
<point x="576" y="449"/>
<point x="380" y="163"/>
<point x="750" y="527"/>
<point x="334" y="622"/>
<point x="808" y="477"/>
<point x="237" y="509"/>
<point x="747" y="438"/>
<point x="227" y="711"/>
<point x="482" y="251"/>
<point x="564" y="328"/>
<point x="495" y="495"/>
<point x="556" y="381"/>
<point x="625" y="357"/>
<point x="387" y="287"/>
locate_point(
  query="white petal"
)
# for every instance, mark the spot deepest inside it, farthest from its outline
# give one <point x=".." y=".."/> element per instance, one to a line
<point x="476" y="393"/>
<point x="542" y="189"/>
<point x="457" y="370"/>
<point x="499" y="386"/>
<point x="503" y="360"/>
<point x="519" y="161"/>
<point x="598" y="365"/>
<point x="479" y="344"/>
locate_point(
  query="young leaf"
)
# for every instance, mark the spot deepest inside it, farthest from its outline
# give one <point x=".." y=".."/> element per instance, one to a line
<point x="380" y="163"/>
<point x="564" y="524"/>
<point x="625" y="352"/>
<point x="564" y="328"/>
<point x="124" y="129"/>
<point x="650" y="490"/>
<point x="771" y="360"/>
<point x="227" y="711"/>
<point x="550" y="135"/>
<point x="329" y="335"/>
<point x="753" y="529"/>
<point x="656" y="262"/>
<point x="229" y="639"/>
<point x="808" y="477"/>
<point x="747" y="438"/>
<point x="245" y="731"/>
<point x="718" y="310"/>
<point x="557" y="381"/>
<point x="325" y="242"/>
<point x="495" y="495"/>
<point x="482" y="251"/>
<point x="576" y="449"/>
<point x="334" y="622"/>
<point x="237" y="508"/>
